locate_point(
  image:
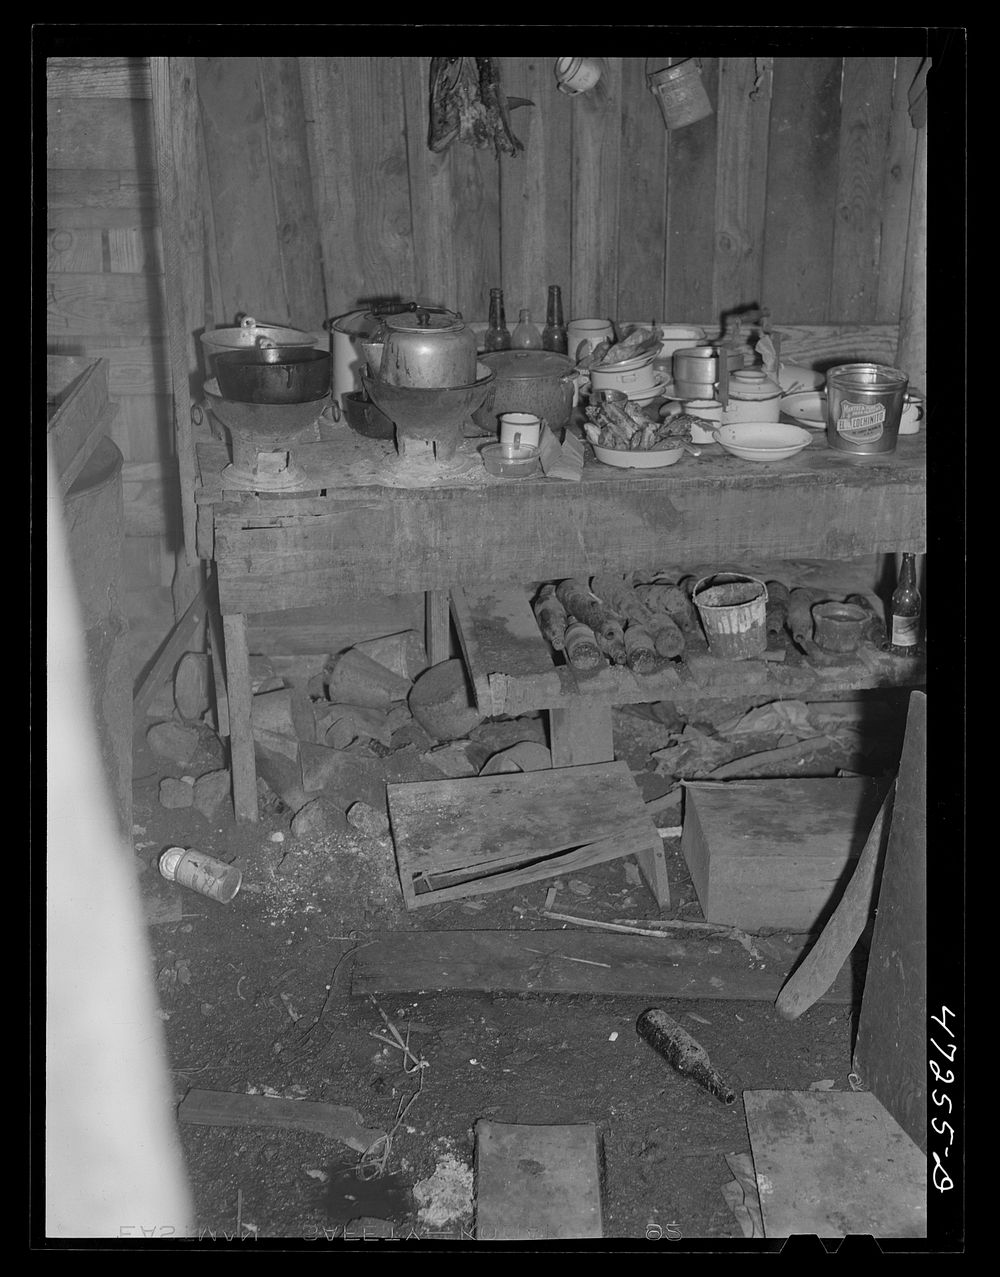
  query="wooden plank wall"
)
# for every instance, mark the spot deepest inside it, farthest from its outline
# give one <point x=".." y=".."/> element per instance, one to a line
<point x="795" y="194"/>
<point x="105" y="297"/>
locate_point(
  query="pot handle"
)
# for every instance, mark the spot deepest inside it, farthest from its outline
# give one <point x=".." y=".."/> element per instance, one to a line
<point x="248" y="321"/>
<point x="333" y="409"/>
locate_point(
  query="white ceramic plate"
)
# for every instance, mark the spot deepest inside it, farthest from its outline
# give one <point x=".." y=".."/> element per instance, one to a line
<point x="654" y="459"/>
<point x="794" y="377"/>
<point x="762" y="440"/>
<point x="807" y="408"/>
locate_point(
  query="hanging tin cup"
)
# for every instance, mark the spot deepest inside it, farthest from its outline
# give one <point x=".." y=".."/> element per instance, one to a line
<point x="680" y="93"/>
<point x="576" y="75"/>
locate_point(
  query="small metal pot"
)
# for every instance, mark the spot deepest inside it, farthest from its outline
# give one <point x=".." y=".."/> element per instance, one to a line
<point x="254" y="376"/>
<point x="536" y="381"/>
<point x="425" y="350"/>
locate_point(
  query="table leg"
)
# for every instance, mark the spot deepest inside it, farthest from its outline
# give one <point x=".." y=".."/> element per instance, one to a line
<point x="240" y="725"/>
<point x="218" y="648"/>
<point x="437" y="621"/>
<point x="584" y="734"/>
<point x="581" y="734"/>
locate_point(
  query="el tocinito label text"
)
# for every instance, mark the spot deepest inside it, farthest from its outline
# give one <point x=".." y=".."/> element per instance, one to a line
<point x="861" y="422"/>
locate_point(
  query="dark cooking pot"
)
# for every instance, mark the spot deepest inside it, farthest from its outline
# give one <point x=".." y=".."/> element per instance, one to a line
<point x="257" y="376"/>
<point x="536" y="381"/>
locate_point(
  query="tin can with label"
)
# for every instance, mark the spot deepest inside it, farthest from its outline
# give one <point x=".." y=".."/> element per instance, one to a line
<point x="864" y="403"/>
<point x="211" y="877"/>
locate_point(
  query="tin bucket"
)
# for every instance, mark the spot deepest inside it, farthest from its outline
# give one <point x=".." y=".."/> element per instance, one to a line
<point x="733" y="612"/>
<point x="864" y="403"/>
<point x="680" y="93"/>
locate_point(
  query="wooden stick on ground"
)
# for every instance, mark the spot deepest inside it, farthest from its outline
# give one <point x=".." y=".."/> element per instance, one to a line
<point x="817" y="972"/>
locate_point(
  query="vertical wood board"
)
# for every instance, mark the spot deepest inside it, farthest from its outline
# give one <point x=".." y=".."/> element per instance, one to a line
<point x="642" y="233"/>
<point x="864" y="135"/>
<point x="898" y="186"/>
<point x="801" y="189"/>
<point x="691" y="183"/>
<point x="596" y="191"/>
<point x="535" y="225"/>
<point x="891" y="1050"/>
<point x="741" y="177"/>
<point x="239" y="169"/>
<point x="291" y="179"/>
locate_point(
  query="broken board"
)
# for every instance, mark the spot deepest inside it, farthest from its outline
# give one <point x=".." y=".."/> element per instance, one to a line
<point x="537" y="1183"/>
<point x="457" y="838"/>
<point x="776" y="853"/>
<point x="225" y="1108"/>
<point x="834" y="1163"/>
<point x="589" y="962"/>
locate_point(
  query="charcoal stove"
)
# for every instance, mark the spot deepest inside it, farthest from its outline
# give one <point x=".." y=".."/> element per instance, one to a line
<point x="259" y="437"/>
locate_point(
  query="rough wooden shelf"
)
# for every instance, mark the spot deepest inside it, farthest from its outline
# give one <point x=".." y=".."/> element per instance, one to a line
<point x="514" y="670"/>
<point x="351" y="533"/>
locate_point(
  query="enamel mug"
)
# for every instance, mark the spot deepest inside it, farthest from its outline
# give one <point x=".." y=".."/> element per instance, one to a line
<point x="520" y="429"/>
<point x="576" y="75"/>
<point x="912" y="415"/>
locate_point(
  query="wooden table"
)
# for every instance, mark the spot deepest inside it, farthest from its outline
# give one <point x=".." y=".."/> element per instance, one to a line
<point x="366" y="523"/>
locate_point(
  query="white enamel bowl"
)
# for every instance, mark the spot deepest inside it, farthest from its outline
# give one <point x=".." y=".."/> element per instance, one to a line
<point x="652" y="459"/>
<point x="807" y="408"/>
<point x="762" y="440"/>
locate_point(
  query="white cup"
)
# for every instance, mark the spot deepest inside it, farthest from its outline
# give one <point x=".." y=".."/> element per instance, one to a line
<point x="912" y="415"/>
<point x="705" y="408"/>
<point x="593" y="330"/>
<point x="519" y="430"/>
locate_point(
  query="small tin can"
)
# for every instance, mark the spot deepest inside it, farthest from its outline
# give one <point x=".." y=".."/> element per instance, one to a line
<point x="202" y="873"/>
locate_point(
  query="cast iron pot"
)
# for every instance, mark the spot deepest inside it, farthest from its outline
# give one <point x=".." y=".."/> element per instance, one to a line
<point x="256" y="376"/>
<point x="537" y="381"/>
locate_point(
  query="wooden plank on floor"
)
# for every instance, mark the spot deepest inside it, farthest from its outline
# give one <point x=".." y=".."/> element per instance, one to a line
<point x="559" y="1197"/>
<point x="224" y="1108"/>
<point x="556" y="961"/>
<point x="834" y="1163"/>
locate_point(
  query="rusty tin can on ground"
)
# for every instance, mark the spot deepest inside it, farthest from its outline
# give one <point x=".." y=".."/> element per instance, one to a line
<point x="202" y="873"/>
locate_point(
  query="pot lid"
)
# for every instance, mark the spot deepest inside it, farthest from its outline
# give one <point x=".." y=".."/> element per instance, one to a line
<point x="752" y="383"/>
<point x="425" y="321"/>
<point x="528" y="363"/>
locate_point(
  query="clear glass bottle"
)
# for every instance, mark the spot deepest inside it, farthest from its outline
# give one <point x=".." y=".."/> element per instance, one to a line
<point x="526" y="335"/>
<point x="497" y="334"/>
<point x="904" y="609"/>
<point x="554" y="335"/>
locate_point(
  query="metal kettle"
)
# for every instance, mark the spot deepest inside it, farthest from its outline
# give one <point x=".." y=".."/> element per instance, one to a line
<point x="427" y="349"/>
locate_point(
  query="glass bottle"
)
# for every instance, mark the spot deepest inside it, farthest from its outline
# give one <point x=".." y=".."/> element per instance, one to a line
<point x="526" y="335"/>
<point x="904" y="609"/>
<point x="554" y="335"/>
<point x="497" y="334"/>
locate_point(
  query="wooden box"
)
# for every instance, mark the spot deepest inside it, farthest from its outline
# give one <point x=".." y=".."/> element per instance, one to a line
<point x="776" y="853"/>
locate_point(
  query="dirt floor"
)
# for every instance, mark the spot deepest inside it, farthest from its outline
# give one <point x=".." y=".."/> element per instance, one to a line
<point x="256" y="999"/>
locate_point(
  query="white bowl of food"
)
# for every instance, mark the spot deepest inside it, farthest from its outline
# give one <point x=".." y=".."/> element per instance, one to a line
<point x="762" y="440"/>
<point x="806" y="408"/>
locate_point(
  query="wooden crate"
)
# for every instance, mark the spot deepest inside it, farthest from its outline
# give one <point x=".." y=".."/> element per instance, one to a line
<point x="515" y="671"/>
<point x="456" y="838"/>
<point x="775" y="853"/>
